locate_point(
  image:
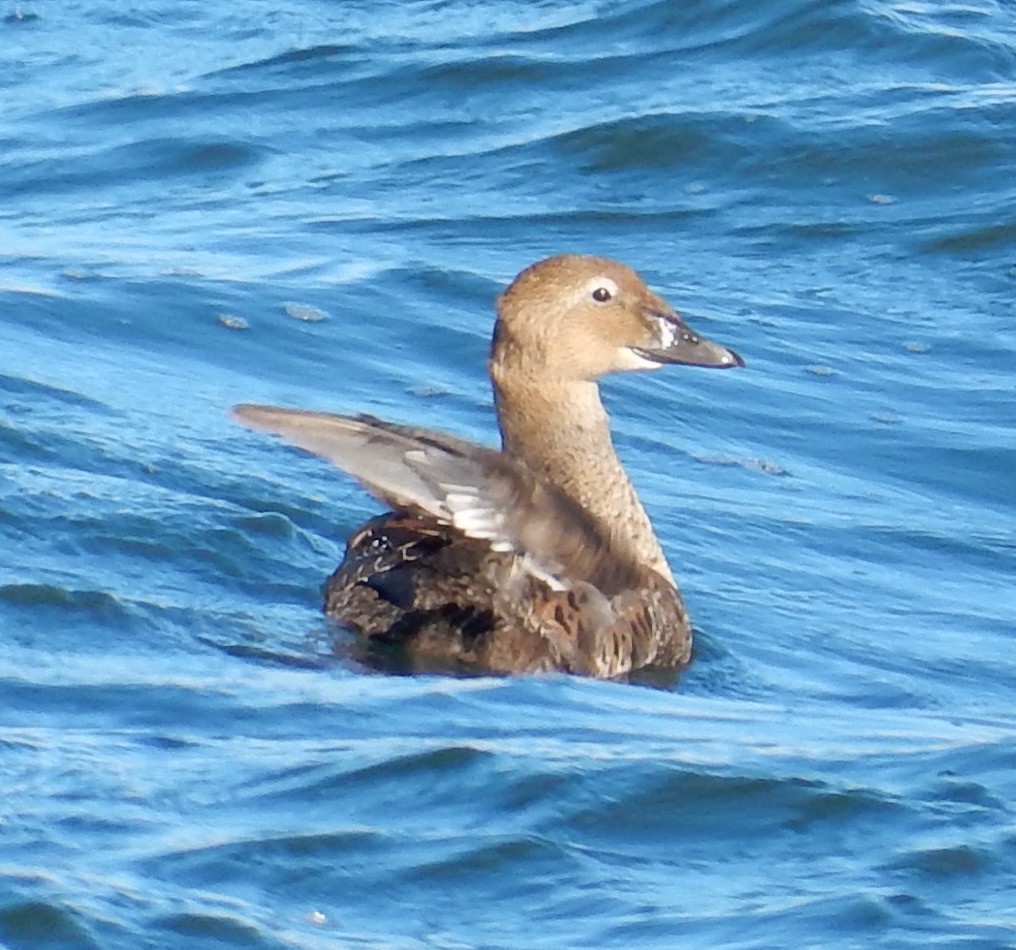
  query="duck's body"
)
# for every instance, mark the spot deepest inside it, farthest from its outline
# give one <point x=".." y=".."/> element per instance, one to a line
<point x="411" y="582"/>
<point x="538" y="557"/>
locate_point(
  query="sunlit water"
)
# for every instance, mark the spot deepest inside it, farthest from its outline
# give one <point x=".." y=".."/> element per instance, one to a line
<point x="315" y="205"/>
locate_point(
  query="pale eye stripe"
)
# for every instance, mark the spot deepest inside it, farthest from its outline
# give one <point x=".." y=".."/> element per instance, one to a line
<point x="607" y="283"/>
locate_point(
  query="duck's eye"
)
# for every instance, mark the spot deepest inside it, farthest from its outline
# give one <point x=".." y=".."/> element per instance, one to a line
<point x="601" y="288"/>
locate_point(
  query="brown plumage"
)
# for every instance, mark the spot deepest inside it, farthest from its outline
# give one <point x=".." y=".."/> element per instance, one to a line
<point x="539" y="556"/>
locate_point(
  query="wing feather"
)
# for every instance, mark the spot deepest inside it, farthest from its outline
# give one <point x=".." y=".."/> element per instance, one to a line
<point x="483" y="493"/>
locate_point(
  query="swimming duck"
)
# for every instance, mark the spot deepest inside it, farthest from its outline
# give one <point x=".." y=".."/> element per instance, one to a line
<point x="539" y="556"/>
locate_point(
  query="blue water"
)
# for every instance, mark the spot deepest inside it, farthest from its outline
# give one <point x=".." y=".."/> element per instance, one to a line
<point x="315" y="205"/>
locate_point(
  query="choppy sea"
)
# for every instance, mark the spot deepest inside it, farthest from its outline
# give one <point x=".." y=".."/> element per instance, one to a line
<point x="315" y="205"/>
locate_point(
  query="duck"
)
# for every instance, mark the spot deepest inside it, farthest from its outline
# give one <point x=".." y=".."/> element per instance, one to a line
<point x="539" y="556"/>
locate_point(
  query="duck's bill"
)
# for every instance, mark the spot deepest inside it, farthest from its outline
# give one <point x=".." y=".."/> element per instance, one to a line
<point x="678" y="343"/>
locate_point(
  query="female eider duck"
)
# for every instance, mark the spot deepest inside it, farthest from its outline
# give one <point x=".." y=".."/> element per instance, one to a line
<point x="539" y="556"/>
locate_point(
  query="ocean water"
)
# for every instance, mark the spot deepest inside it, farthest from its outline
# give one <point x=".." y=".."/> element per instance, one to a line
<point x="315" y="205"/>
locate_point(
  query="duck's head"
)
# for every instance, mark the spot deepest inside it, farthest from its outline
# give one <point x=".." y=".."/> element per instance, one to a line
<point x="579" y="317"/>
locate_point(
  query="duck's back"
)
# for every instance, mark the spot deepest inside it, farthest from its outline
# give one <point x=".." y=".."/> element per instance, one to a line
<point x="410" y="582"/>
<point x="416" y="584"/>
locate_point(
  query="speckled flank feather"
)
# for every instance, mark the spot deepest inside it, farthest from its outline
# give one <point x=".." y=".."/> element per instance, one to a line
<point x="540" y="556"/>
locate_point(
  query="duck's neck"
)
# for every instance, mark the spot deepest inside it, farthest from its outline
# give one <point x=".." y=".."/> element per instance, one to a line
<point x="560" y="428"/>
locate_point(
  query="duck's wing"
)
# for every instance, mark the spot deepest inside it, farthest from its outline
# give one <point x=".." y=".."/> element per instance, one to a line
<point x="479" y="491"/>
